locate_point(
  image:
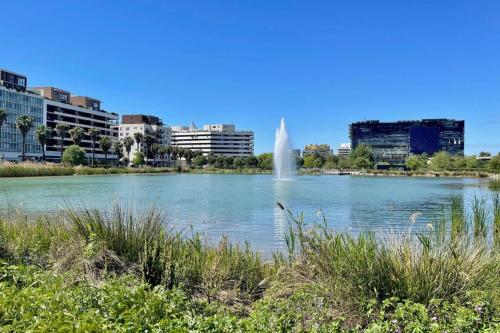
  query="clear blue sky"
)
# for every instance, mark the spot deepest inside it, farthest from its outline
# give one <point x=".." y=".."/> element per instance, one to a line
<point x="319" y="64"/>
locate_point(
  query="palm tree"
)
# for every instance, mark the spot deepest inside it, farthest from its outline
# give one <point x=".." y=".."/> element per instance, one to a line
<point x="128" y="142"/>
<point x="164" y="151"/>
<point x="139" y="137"/>
<point x="148" y="141"/>
<point x="175" y="153"/>
<point x="76" y="134"/>
<point x="94" y="134"/>
<point x="118" y="149"/>
<point x="42" y="134"/>
<point x="24" y="124"/>
<point x="61" y="130"/>
<point x="3" y="118"/>
<point x="155" y="149"/>
<point x="105" y="144"/>
<point x="169" y="153"/>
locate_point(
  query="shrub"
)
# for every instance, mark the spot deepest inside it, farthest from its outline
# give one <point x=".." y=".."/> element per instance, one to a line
<point x="138" y="159"/>
<point x="73" y="155"/>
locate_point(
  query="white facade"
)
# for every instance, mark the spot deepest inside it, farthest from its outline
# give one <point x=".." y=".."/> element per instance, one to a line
<point x="217" y="139"/>
<point x="162" y="134"/>
<point x="344" y="150"/>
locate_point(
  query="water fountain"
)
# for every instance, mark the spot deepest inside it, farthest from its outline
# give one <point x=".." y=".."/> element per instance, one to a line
<point x="284" y="163"/>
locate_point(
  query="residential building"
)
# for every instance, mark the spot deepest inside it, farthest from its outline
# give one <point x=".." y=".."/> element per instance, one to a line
<point x="393" y="142"/>
<point x="344" y="150"/>
<point x="146" y="125"/>
<point x="75" y="111"/>
<point x="217" y="139"/>
<point x="322" y="150"/>
<point x="16" y="100"/>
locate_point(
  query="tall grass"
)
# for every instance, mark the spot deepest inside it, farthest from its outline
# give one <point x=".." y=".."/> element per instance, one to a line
<point x="446" y="261"/>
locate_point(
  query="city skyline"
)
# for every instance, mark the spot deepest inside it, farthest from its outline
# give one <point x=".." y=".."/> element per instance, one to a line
<point x="252" y="65"/>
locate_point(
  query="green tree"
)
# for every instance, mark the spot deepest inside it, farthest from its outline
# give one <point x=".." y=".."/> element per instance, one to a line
<point x="139" y="138"/>
<point x="118" y="150"/>
<point x="238" y="163"/>
<point x="105" y="144"/>
<point x="299" y="161"/>
<point x="219" y="162"/>
<point x="62" y="130"/>
<point x="148" y="142"/>
<point x="164" y="153"/>
<point x="494" y="164"/>
<point x="138" y="158"/>
<point x="344" y="163"/>
<point x="76" y="134"/>
<point x="24" y="124"/>
<point x="155" y="149"/>
<point x="416" y="162"/>
<point x="73" y="155"/>
<point x="309" y="161"/>
<point x="199" y="161"/>
<point x="3" y="119"/>
<point x="211" y="159"/>
<point x="228" y="162"/>
<point x="440" y="161"/>
<point x="94" y="135"/>
<point x="484" y="154"/>
<point x="128" y="142"/>
<point x="362" y="157"/>
<point x="265" y="161"/>
<point x="42" y="134"/>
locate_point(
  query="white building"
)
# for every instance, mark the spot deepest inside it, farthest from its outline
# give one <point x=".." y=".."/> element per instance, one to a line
<point x="344" y="150"/>
<point x="217" y="139"/>
<point x="146" y="125"/>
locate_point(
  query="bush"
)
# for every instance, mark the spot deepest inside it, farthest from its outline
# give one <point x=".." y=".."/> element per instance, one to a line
<point x="73" y="155"/>
<point x="138" y="159"/>
<point x="199" y="161"/>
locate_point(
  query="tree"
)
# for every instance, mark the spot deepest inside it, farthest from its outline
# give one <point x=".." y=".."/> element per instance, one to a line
<point x="128" y="142"/>
<point x="118" y="149"/>
<point x="76" y="134"/>
<point x="3" y="118"/>
<point x="94" y="135"/>
<point x="211" y="159"/>
<point x="138" y="158"/>
<point x="105" y="144"/>
<point x="362" y="157"/>
<point x="155" y="149"/>
<point x="416" y="162"/>
<point x="169" y="151"/>
<point x="309" y="161"/>
<point x="62" y="130"/>
<point x="148" y="142"/>
<point x="228" y="162"/>
<point x="219" y="162"/>
<point x="494" y="164"/>
<point x="238" y="162"/>
<point x="164" y="152"/>
<point x="251" y="161"/>
<point x="42" y="134"/>
<point x="199" y="161"/>
<point x="440" y="161"/>
<point x="138" y="137"/>
<point x="299" y="161"/>
<point x="265" y="161"/>
<point x="24" y="124"/>
<point x="484" y="154"/>
<point x="73" y="155"/>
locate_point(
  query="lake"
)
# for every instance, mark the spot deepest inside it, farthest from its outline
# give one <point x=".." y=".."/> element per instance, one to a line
<point x="243" y="207"/>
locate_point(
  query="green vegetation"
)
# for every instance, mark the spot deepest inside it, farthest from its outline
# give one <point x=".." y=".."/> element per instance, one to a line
<point x="138" y="159"/>
<point x="73" y="155"/>
<point x="85" y="270"/>
<point x="24" y="124"/>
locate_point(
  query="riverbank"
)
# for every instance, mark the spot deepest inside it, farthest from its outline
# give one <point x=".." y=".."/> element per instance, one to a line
<point x="113" y="270"/>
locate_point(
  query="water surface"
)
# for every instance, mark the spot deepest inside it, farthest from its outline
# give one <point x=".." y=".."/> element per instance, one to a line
<point x="244" y="206"/>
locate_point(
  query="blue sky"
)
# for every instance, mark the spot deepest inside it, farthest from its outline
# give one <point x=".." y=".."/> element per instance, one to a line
<point x="319" y="64"/>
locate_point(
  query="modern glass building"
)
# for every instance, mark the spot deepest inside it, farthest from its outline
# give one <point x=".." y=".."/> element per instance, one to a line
<point x="393" y="142"/>
<point x="17" y="101"/>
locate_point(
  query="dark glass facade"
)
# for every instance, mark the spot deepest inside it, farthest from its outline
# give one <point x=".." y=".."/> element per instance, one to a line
<point x="393" y="141"/>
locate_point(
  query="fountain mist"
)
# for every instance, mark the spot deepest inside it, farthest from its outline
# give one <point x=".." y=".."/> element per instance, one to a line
<point x="284" y="163"/>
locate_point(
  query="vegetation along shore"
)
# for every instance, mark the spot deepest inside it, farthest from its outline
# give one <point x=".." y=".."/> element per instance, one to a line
<point x="88" y="270"/>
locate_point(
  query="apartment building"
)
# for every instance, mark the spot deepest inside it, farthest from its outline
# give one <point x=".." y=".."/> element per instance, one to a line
<point x="146" y="125"/>
<point x="344" y="150"/>
<point x="217" y="139"/>
<point x="322" y="150"/>
<point x="75" y="111"/>
<point x="16" y="100"/>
